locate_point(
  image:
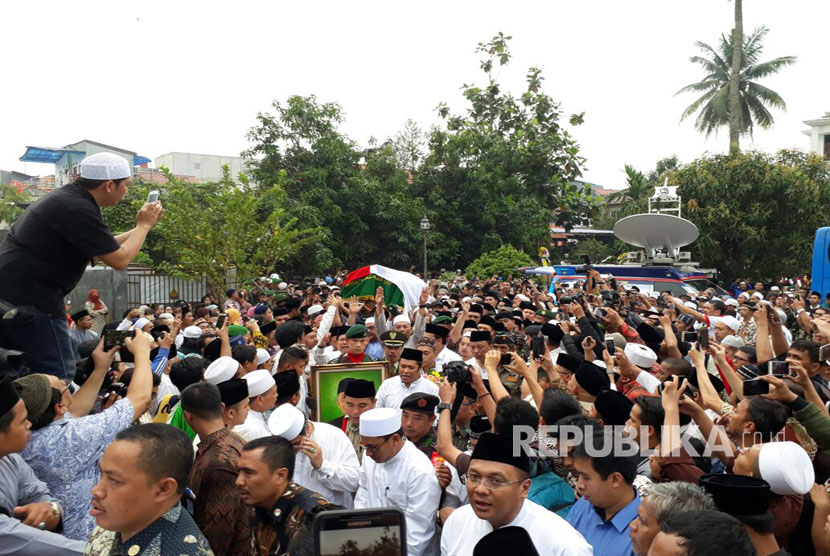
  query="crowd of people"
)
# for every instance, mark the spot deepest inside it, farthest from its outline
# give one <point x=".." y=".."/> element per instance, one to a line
<point x="593" y="419"/>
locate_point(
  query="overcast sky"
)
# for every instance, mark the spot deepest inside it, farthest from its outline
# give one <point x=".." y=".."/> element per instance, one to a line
<point x="155" y="77"/>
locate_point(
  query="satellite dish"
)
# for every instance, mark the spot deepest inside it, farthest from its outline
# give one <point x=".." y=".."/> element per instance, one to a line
<point x="656" y="231"/>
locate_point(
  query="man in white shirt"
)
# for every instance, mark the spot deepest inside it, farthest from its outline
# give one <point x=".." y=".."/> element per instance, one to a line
<point x="409" y="380"/>
<point x="326" y="461"/>
<point x="439" y="334"/>
<point x="498" y="483"/>
<point x="395" y="473"/>
<point x="481" y="342"/>
<point x="553" y="334"/>
<point x="263" y="396"/>
<point x="640" y="358"/>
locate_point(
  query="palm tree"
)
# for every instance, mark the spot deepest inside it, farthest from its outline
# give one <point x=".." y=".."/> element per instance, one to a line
<point x="754" y="98"/>
<point x="735" y="119"/>
<point x="637" y="187"/>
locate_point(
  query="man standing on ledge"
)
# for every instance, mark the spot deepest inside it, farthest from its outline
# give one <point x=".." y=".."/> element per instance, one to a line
<point x="47" y="249"/>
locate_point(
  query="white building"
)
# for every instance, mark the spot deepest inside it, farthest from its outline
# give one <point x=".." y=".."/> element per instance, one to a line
<point x="819" y="134"/>
<point x="204" y="167"/>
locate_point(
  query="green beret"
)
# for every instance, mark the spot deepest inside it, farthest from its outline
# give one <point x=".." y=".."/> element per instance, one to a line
<point x="546" y="313"/>
<point x="442" y="320"/>
<point x="237" y="330"/>
<point x="357" y="331"/>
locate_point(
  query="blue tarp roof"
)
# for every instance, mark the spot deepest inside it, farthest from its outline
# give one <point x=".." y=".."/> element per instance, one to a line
<point x="45" y="155"/>
<point x="50" y="156"/>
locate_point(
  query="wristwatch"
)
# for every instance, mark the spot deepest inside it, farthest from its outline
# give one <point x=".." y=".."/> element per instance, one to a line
<point x="444" y="405"/>
<point x="56" y="510"/>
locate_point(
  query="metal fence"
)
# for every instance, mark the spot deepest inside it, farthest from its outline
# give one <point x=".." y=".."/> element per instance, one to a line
<point x="144" y="286"/>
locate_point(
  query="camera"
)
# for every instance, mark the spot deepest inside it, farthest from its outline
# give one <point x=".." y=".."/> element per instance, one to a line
<point x="458" y="371"/>
<point x="586" y="266"/>
<point x="565" y="299"/>
<point x="114" y="338"/>
<point x="610" y="298"/>
<point x="118" y="388"/>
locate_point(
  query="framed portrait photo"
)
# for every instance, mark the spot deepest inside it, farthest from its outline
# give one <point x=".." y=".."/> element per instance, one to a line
<point x="326" y="378"/>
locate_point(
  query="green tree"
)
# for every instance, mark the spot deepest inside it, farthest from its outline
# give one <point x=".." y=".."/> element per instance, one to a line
<point x="500" y="262"/>
<point x="10" y="201"/>
<point x="597" y="250"/>
<point x="209" y="228"/>
<point x="358" y="196"/>
<point x="502" y="171"/>
<point x="410" y="145"/>
<point x="663" y="167"/>
<point x="637" y="187"/>
<point x="714" y="106"/>
<point x="757" y="213"/>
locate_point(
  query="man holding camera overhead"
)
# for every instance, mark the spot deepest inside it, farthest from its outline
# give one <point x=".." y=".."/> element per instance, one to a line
<point x="47" y="249"/>
<point x="68" y="442"/>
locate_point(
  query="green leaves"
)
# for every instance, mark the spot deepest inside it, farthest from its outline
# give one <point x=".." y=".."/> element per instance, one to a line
<point x="9" y="211"/>
<point x="757" y="213"/>
<point x="713" y="105"/>
<point x="498" y="262"/>
<point x="502" y="170"/>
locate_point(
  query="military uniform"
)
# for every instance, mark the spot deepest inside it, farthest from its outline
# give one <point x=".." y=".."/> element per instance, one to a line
<point x="358" y="331"/>
<point x="274" y="529"/>
<point x="421" y="402"/>
<point x="512" y="382"/>
<point x="393" y="339"/>
<point x="345" y="359"/>
<point x="460" y="437"/>
<point x="428" y="445"/>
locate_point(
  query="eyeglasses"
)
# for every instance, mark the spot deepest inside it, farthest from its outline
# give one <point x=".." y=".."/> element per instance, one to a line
<point x="374" y="448"/>
<point x="492" y="484"/>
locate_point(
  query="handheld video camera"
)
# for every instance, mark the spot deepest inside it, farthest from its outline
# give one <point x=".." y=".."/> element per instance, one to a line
<point x="458" y="371"/>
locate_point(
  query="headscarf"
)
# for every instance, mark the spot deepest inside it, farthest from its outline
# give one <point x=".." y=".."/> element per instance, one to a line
<point x="94" y="297"/>
<point x="233" y="315"/>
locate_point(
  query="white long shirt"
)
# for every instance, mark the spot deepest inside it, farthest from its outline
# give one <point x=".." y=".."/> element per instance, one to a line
<point x="393" y="391"/>
<point x="473" y="362"/>
<point x="551" y="534"/>
<point x="338" y="476"/>
<point x="408" y="483"/>
<point x="254" y="427"/>
<point x="445" y="357"/>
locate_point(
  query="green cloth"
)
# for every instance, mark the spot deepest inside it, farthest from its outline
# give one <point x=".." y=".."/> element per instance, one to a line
<point x="237" y="330"/>
<point x="177" y="420"/>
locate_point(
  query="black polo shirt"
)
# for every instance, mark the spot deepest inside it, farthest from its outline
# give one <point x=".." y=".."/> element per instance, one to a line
<point x="47" y="249"/>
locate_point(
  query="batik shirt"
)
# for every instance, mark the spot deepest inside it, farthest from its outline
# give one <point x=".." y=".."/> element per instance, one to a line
<point x="274" y="530"/>
<point x="218" y="509"/>
<point x="173" y="533"/>
<point x="70" y="448"/>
